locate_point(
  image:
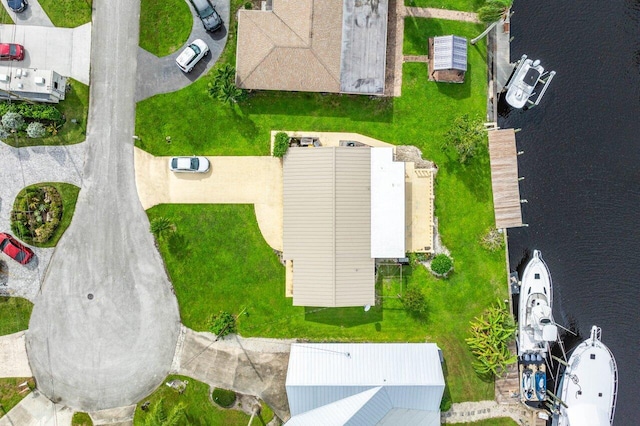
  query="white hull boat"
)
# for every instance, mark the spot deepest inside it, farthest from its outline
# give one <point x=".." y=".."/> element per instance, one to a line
<point x="536" y="329"/>
<point x="527" y="75"/>
<point x="588" y="388"/>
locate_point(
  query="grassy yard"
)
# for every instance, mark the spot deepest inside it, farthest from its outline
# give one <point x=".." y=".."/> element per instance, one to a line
<point x="11" y="393"/>
<point x="75" y="106"/>
<point x="500" y="421"/>
<point x="81" y="419"/>
<point x="69" y="195"/>
<point x="4" y="17"/>
<point x="418" y="30"/>
<point x="67" y="13"/>
<point x="219" y="261"/>
<point x="464" y="5"/>
<point x="176" y="20"/>
<point x="15" y="313"/>
<point x="198" y="408"/>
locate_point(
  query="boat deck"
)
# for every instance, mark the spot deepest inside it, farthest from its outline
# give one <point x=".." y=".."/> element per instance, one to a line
<point x="504" y="178"/>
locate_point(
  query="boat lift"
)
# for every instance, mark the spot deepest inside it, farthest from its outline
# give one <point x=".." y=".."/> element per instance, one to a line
<point x="546" y="80"/>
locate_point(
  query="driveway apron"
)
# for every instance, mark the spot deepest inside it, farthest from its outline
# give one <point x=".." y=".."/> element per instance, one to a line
<point x="33" y="15"/>
<point x="104" y="328"/>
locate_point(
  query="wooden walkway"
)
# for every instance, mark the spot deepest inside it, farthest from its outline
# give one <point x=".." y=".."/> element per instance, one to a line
<point x="504" y="178"/>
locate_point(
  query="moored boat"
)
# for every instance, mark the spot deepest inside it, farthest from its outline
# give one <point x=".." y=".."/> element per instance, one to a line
<point x="588" y="388"/>
<point x="527" y="76"/>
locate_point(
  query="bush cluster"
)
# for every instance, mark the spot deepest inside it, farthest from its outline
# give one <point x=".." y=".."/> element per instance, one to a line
<point x="36" y="214"/>
<point x="223" y="397"/>
<point x="280" y="144"/>
<point x="222" y="324"/>
<point x="414" y="301"/>
<point x="45" y="112"/>
<point x="441" y="264"/>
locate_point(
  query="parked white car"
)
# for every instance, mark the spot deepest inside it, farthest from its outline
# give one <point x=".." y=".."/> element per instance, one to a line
<point x="189" y="164"/>
<point x="190" y="56"/>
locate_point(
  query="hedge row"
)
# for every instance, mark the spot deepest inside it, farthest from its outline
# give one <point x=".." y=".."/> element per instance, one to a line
<point x="33" y="111"/>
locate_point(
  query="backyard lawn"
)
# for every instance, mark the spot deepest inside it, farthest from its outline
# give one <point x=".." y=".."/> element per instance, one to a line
<point x="464" y="5"/>
<point x="176" y="20"/>
<point x="15" y="313"/>
<point x="218" y="260"/>
<point x="67" y="13"/>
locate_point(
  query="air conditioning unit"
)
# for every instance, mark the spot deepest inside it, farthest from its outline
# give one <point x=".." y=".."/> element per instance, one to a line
<point x="4" y="77"/>
<point x="20" y="85"/>
<point x="19" y="72"/>
<point x="39" y="80"/>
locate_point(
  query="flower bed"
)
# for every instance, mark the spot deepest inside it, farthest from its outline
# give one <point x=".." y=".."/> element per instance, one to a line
<point x="36" y="214"/>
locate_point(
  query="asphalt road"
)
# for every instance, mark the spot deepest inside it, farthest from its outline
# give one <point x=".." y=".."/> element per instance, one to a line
<point x="104" y="328"/>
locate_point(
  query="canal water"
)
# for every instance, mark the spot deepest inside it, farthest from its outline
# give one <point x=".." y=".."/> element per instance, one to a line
<point x="581" y="165"/>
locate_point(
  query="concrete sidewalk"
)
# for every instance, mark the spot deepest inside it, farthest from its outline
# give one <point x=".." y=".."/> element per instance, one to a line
<point x="33" y="15"/>
<point x="37" y="410"/>
<point x="231" y="180"/>
<point x="250" y="366"/>
<point x="13" y="356"/>
<point x="67" y="50"/>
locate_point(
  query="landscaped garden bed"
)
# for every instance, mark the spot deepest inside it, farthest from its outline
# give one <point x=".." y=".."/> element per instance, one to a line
<point x="42" y="212"/>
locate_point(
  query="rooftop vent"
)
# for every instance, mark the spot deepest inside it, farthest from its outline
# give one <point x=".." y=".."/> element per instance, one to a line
<point x="19" y="72"/>
<point x="39" y="80"/>
<point x="20" y="85"/>
<point x="4" y="77"/>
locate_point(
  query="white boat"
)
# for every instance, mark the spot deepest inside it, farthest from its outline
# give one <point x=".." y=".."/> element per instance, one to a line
<point x="536" y="329"/>
<point x="524" y="80"/>
<point x="588" y="388"/>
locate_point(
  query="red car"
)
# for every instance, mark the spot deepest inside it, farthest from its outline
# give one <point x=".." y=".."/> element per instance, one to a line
<point x="14" y="249"/>
<point x="11" y="52"/>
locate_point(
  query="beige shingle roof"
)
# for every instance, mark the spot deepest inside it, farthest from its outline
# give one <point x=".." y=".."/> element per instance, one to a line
<point x="296" y="46"/>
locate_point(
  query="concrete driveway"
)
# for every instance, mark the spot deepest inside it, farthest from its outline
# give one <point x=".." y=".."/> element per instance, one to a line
<point x="104" y="328"/>
<point x="251" y="366"/>
<point x="161" y="75"/>
<point x="33" y="15"/>
<point x="66" y="51"/>
<point x="231" y="180"/>
<point x="20" y="168"/>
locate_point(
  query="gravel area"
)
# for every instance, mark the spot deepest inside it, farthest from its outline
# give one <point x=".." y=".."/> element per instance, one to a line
<point x="22" y="167"/>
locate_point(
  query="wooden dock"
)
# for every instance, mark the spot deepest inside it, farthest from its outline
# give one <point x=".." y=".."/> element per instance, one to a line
<point x="504" y="178"/>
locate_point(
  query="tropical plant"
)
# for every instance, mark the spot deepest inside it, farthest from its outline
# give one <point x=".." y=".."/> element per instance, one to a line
<point x="223" y="87"/>
<point x="466" y="136"/>
<point x="492" y="240"/>
<point x="157" y="415"/>
<point x="222" y="324"/>
<point x="491" y="12"/>
<point x="280" y="144"/>
<point x="12" y="121"/>
<point x="36" y="213"/>
<point x="36" y="130"/>
<point x="414" y="301"/>
<point x="441" y="264"/>
<point x="162" y="227"/>
<point x="491" y="334"/>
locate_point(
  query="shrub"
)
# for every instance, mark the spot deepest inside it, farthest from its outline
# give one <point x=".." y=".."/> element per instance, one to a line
<point x="248" y="5"/>
<point x="414" y="301"/>
<point x="162" y="227"/>
<point x="36" y="130"/>
<point x="223" y="397"/>
<point x="45" y="112"/>
<point x="465" y="137"/>
<point x="36" y="214"/>
<point x="280" y="144"/>
<point x="222" y="324"/>
<point x="493" y="240"/>
<point x="12" y="121"/>
<point x="3" y="133"/>
<point x="441" y="264"/>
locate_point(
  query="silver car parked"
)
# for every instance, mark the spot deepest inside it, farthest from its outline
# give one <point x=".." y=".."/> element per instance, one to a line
<point x="189" y="164"/>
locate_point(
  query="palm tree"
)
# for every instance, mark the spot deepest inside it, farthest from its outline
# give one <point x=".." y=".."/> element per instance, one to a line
<point x="158" y="417"/>
<point x="491" y="13"/>
<point x="162" y="227"/>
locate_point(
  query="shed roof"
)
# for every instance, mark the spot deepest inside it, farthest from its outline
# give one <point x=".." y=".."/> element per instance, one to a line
<point x="449" y="52"/>
<point x="327" y="226"/>
<point x="365" y="382"/>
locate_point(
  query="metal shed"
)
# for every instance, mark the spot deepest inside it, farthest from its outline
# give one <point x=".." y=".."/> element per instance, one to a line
<point x="449" y="53"/>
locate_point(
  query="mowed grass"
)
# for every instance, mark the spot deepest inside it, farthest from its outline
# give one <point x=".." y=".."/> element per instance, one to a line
<point x="81" y="419"/>
<point x="198" y="408"/>
<point x="69" y="194"/>
<point x="11" y="393"/>
<point x="228" y="266"/>
<point x="14" y="312"/>
<point x="75" y="106"/>
<point x="463" y="5"/>
<point x="5" y="18"/>
<point x="176" y="23"/>
<point x="67" y="13"/>
<point x="418" y="30"/>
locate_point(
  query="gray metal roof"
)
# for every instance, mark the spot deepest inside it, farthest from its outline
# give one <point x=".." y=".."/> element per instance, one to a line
<point x="327" y="220"/>
<point x="364" y="46"/>
<point x="365" y="383"/>
<point x="449" y="52"/>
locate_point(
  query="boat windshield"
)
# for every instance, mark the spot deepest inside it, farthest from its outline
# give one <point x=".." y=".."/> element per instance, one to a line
<point x="532" y="76"/>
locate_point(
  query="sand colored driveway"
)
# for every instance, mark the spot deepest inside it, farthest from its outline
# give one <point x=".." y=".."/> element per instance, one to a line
<point x="231" y="180"/>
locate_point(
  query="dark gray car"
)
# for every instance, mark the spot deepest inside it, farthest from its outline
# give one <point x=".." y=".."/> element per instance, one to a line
<point x="207" y="13"/>
<point x="17" y="5"/>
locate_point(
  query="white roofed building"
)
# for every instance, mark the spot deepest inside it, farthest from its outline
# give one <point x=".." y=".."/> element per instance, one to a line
<point x="36" y="85"/>
<point x="365" y="384"/>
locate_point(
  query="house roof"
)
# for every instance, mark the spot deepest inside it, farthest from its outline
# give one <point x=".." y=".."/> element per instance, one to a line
<point x="327" y="226"/>
<point x="450" y="52"/>
<point x="314" y="46"/>
<point x="365" y="383"/>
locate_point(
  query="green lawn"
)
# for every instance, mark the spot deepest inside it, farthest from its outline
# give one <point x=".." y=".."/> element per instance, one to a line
<point x="500" y="421"/>
<point x="464" y="5"/>
<point x="67" y="13"/>
<point x="218" y="260"/>
<point x="15" y="313"/>
<point x="69" y="195"/>
<point x="175" y="18"/>
<point x="81" y="419"/>
<point x="76" y="107"/>
<point x="11" y="393"/>
<point x="4" y="17"/>
<point x="418" y="30"/>
<point x="198" y="408"/>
